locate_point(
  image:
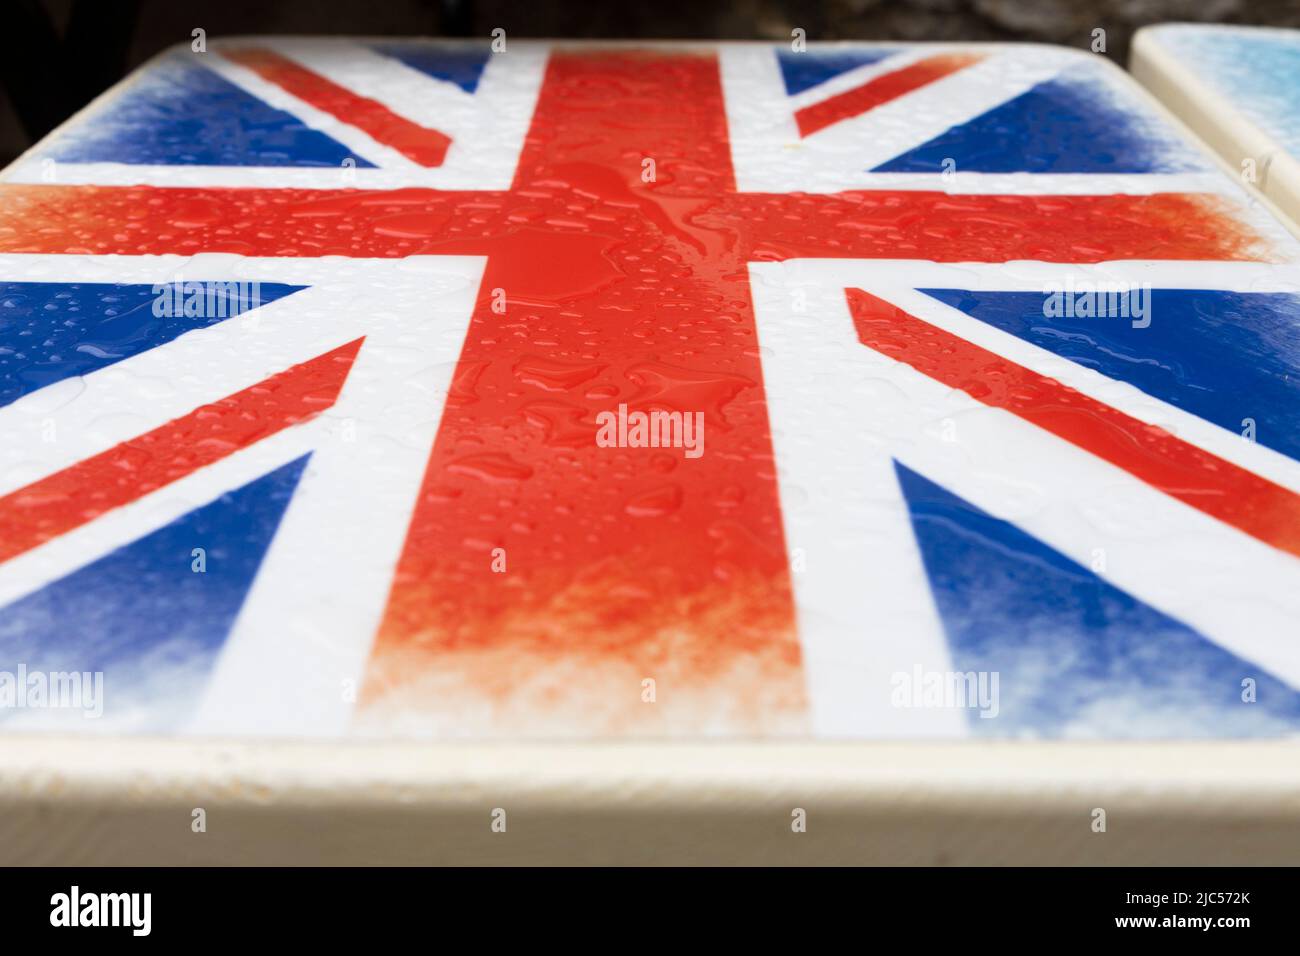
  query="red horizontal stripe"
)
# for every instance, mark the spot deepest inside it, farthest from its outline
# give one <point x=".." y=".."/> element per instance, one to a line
<point x="82" y="492"/>
<point x="1210" y="484"/>
<point x="884" y="224"/>
<point x="881" y="90"/>
<point x="901" y="224"/>
<point x="428" y="147"/>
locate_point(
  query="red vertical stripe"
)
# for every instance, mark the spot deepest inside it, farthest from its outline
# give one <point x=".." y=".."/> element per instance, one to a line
<point x="622" y="564"/>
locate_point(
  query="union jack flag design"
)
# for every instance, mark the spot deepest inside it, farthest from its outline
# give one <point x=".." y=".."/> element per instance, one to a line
<point x="305" y="346"/>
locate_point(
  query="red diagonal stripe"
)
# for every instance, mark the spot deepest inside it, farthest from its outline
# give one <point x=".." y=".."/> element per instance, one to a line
<point x="1210" y="484"/>
<point x="428" y="147"/>
<point x="82" y="492"/>
<point x="881" y="90"/>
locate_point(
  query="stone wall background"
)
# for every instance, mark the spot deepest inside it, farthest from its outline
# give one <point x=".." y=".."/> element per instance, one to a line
<point x="1052" y="21"/>
<point x="124" y="33"/>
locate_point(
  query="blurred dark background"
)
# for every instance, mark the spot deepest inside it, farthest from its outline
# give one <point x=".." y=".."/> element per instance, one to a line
<point x="55" y="55"/>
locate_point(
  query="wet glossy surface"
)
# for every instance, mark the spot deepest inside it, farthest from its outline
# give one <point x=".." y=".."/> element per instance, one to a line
<point x="1257" y="71"/>
<point x="536" y="580"/>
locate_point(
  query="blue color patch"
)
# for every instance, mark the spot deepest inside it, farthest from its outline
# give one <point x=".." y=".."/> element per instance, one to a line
<point x="50" y="331"/>
<point x="1067" y="125"/>
<point x="179" y="113"/>
<point x="1075" y="655"/>
<point x="1222" y="356"/>
<point x="142" y="616"/>
<point x="1257" y="70"/>
<point x="803" y="71"/>
<point x="452" y="64"/>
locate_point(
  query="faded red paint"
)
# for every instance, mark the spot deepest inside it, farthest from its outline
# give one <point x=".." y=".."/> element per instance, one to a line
<point x="623" y="564"/>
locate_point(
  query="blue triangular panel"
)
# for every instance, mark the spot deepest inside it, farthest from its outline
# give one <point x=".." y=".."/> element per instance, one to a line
<point x="181" y="113"/>
<point x="142" y="616"/>
<point x="803" y="71"/>
<point x="1201" y="350"/>
<point x="1074" y="655"/>
<point x="460" y="65"/>
<point x="1067" y="125"/>
<point x="50" y="331"/>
